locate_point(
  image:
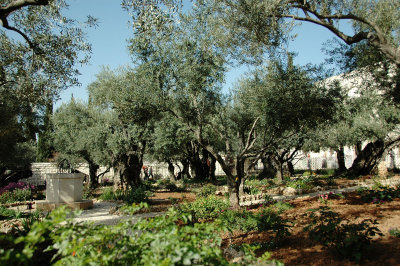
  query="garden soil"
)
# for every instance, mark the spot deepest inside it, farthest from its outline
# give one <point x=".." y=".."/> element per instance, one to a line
<point x="299" y="250"/>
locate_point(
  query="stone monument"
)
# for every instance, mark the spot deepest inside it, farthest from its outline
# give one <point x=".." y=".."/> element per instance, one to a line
<point x="64" y="189"/>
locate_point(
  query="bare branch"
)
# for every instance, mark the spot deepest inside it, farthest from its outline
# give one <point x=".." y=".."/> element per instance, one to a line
<point x="250" y="139"/>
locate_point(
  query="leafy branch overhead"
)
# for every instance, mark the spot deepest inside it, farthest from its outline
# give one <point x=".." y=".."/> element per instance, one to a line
<point x="374" y="21"/>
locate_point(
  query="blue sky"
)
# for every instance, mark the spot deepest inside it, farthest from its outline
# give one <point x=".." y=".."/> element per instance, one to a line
<point x="109" y="43"/>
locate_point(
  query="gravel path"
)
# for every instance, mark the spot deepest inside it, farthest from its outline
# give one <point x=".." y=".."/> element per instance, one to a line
<point x="100" y="214"/>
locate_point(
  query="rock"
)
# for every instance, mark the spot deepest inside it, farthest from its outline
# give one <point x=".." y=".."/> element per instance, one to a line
<point x="233" y="254"/>
<point x="289" y="191"/>
<point x="275" y="191"/>
<point x="113" y="210"/>
<point x="316" y="189"/>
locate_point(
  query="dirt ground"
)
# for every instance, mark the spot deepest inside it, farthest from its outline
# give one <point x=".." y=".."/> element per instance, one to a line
<point x="298" y="249"/>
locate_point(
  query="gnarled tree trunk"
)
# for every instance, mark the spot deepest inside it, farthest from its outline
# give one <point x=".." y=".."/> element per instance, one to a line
<point x="93" y="167"/>
<point x="127" y="169"/>
<point x="367" y="159"/>
<point x="171" y="171"/>
<point x="341" y="160"/>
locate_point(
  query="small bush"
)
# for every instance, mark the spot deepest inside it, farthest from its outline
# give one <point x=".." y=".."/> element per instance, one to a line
<point x="205" y="208"/>
<point x="346" y="239"/>
<point x="281" y="206"/>
<point x="15" y="195"/>
<point x="6" y="213"/>
<point x="303" y="183"/>
<point x="265" y="220"/>
<point x="379" y="195"/>
<point x="394" y="232"/>
<point x="207" y="190"/>
<point x="140" y="194"/>
<point x="251" y="190"/>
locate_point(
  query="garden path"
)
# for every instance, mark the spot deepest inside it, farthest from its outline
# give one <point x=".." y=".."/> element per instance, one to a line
<point x="102" y="214"/>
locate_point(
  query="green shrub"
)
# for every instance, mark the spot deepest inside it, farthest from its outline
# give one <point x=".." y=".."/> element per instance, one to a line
<point x="205" y="208"/>
<point x="242" y="220"/>
<point x="15" y="195"/>
<point x="346" y="239"/>
<point x="6" y="213"/>
<point x="162" y="240"/>
<point x="281" y="206"/>
<point x="265" y="220"/>
<point x="304" y="183"/>
<point x="140" y="194"/>
<point x="174" y="188"/>
<point x="5" y="197"/>
<point x="251" y="190"/>
<point x="394" y="232"/>
<point x="207" y="190"/>
<point x="379" y="195"/>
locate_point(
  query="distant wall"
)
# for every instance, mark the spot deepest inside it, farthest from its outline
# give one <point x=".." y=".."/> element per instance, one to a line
<point x="313" y="161"/>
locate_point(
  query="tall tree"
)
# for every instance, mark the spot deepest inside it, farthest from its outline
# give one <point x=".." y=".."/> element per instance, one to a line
<point x="132" y="100"/>
<point x="39" y="50"/>
<point x="79" y="135"/>
<point x="291" y="104"/>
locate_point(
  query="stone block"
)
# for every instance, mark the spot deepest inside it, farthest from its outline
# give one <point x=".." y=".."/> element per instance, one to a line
<point x="64" y="187"/>
<point x="49" y="206"/>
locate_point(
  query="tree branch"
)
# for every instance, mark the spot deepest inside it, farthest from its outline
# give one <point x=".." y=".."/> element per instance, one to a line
<point x="18" y="4"/>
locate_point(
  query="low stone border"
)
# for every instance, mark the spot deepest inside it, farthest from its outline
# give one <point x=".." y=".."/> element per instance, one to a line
<point x="251" y="200"/>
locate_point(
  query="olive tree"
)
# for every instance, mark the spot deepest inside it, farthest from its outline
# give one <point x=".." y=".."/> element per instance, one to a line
<point x="131" y="99"/>
<point x="39" y="50"/>
<point x="80" y="136"/>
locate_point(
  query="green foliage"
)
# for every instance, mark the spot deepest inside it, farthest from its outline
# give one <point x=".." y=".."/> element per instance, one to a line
<point x="27" y="221"/>
<point x="204" y="208"/>
<point x="80" y="135"/>
<point x="346" y="239"/>
<point x="134" y="208"/>
<point x="206" y="190"/>
<point x="378" y="196"/>
<point x="174" y="188"/>
<point x="87" y="192"/>
<point x="281" y="206"/>
<point x="251" y="190"/>
<point x="15" y="195"/>
<point x="157" y="241"/>
<point x="303" y="183"/>
<point x="254" y="182"/>
<point x="6" y="213"/>
<point x="249" y="254"/>
<point x="394" y="232"/>
<point x="265" y="220"/>
<point x="39" y="54"/>
<point x="169" y="185"/>
<point x="137" y="195"/>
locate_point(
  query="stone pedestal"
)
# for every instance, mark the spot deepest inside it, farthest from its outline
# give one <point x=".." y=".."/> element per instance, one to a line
<point x="64" y="189"/>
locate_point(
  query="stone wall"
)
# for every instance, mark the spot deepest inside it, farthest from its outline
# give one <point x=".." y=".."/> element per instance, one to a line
<point x="310" y="161"/>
